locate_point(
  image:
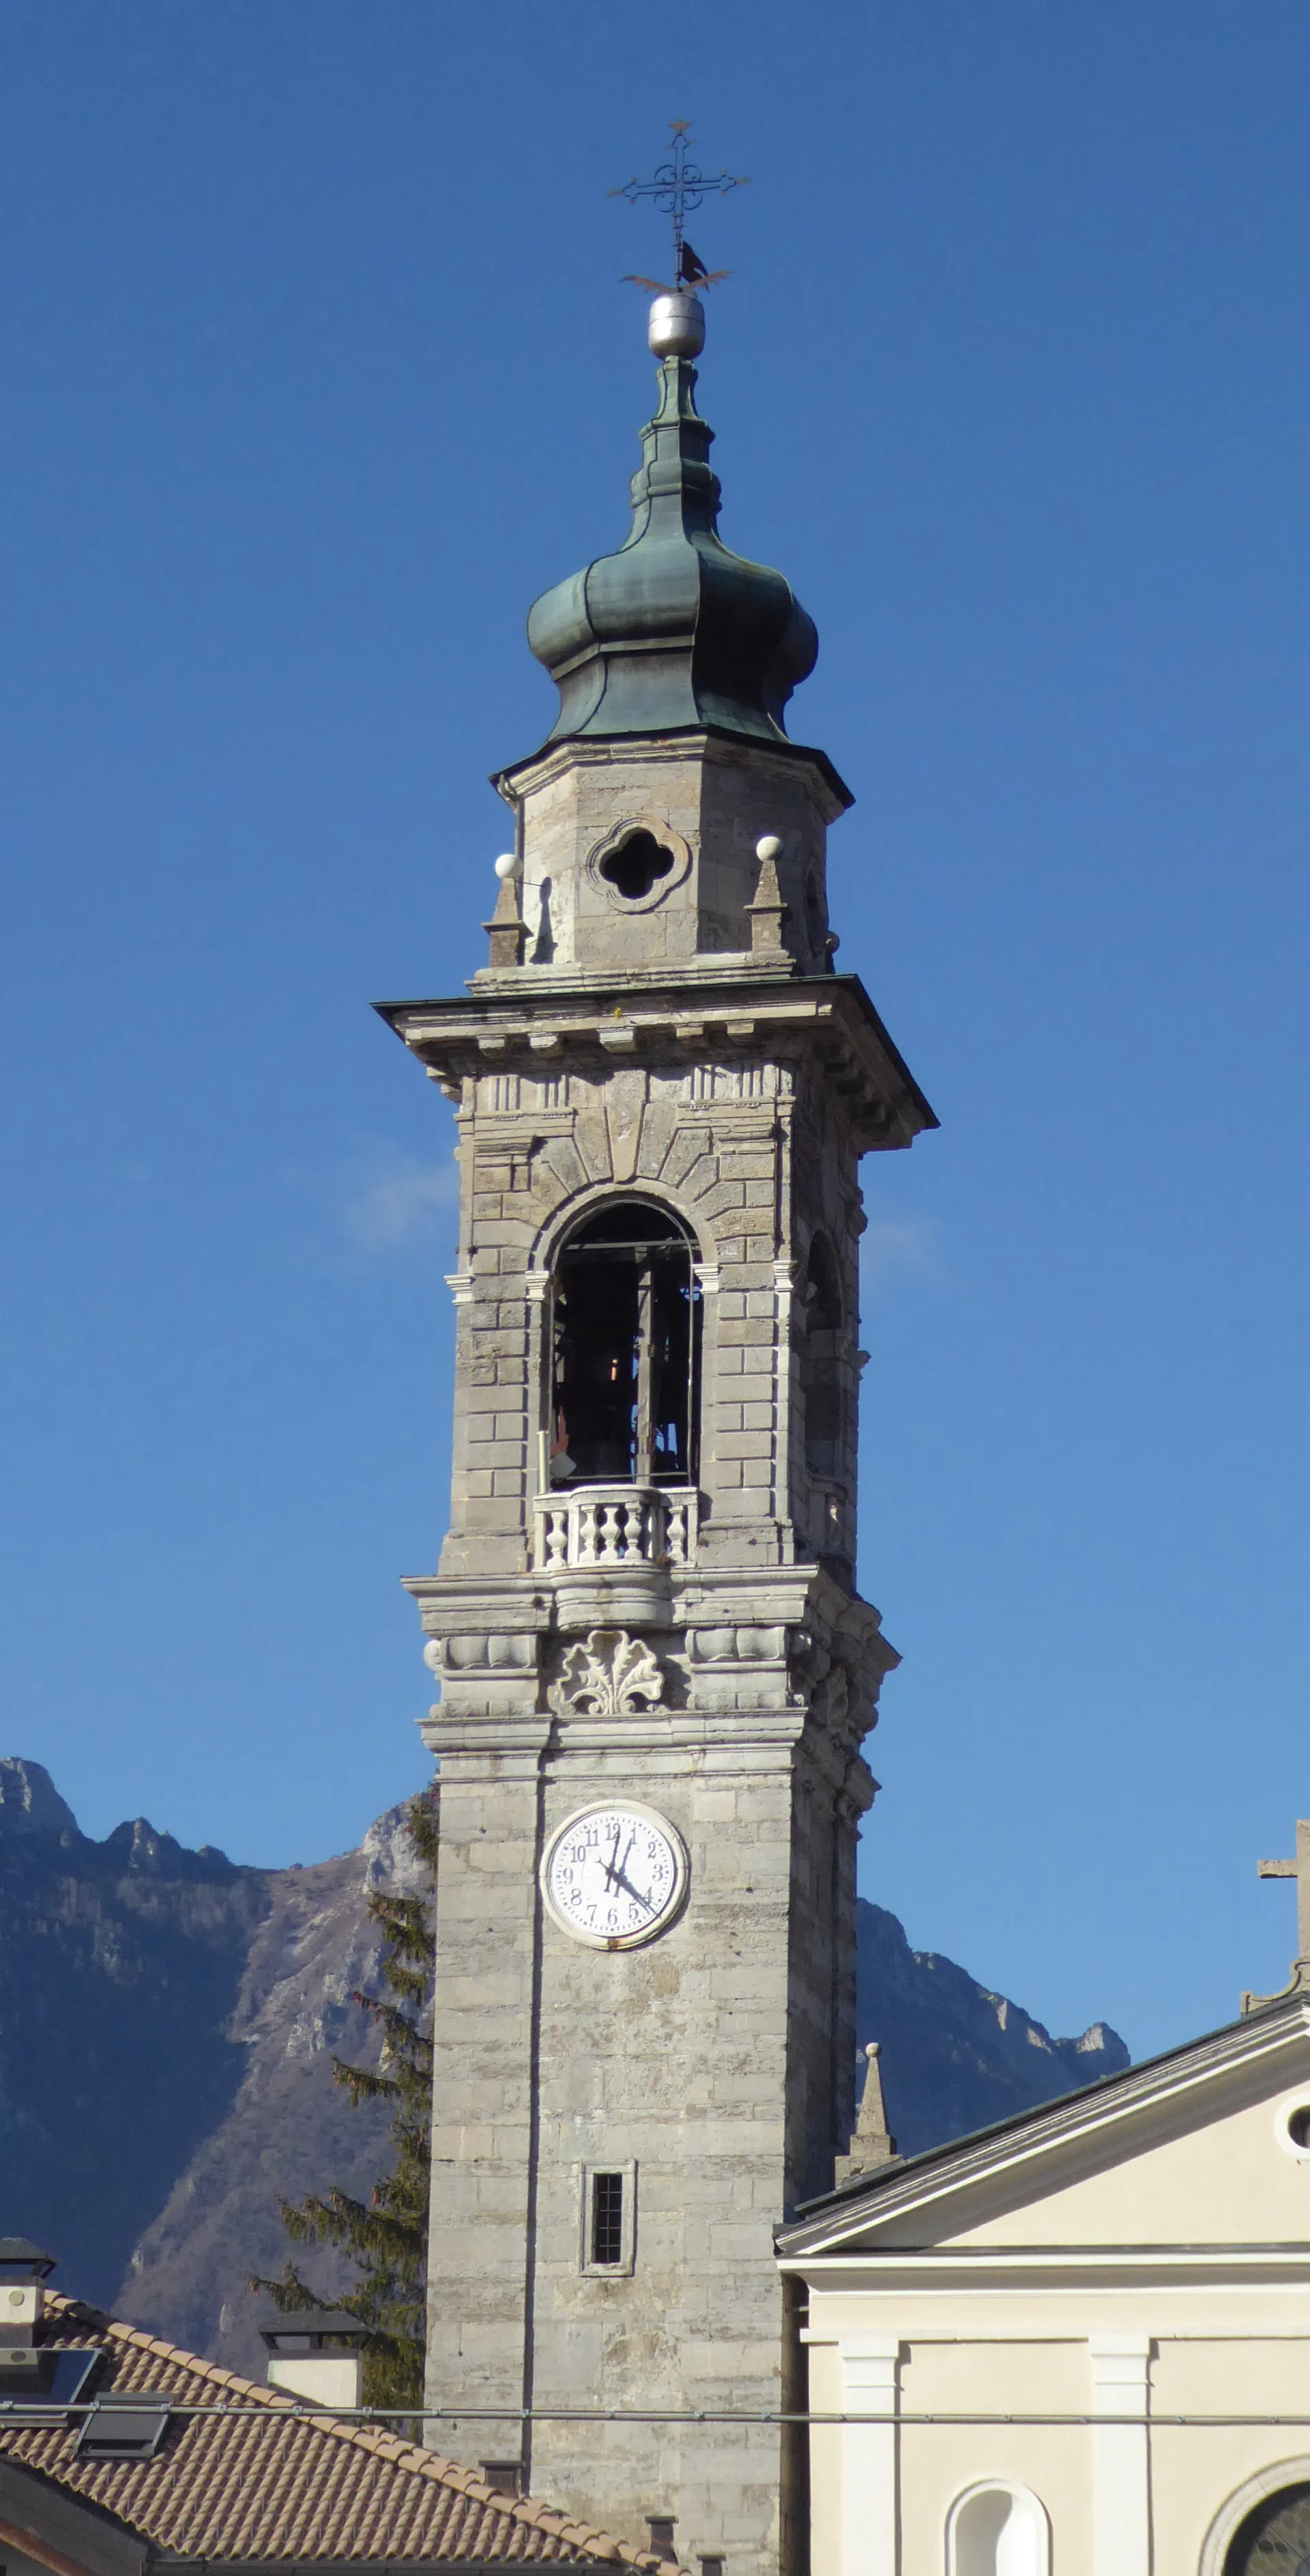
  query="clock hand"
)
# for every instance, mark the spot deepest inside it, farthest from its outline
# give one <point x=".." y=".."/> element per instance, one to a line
<point x="618" y="1880"/>
<point x="616" y="1870"/>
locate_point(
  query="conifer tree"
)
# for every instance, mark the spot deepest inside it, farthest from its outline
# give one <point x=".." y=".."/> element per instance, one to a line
<point x="385" y="2237"/>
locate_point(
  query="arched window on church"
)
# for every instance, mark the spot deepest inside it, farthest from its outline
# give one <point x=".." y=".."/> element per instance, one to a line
<point x="820" y="1377"/>
<point x="625" y="1381"/>
<point x="1274" y="2540"/>
<point x="998" y="2530"/>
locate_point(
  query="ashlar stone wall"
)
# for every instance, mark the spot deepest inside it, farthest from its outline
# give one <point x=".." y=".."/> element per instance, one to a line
<point x="708" y="801"/>
<point x="717" y="1667"/>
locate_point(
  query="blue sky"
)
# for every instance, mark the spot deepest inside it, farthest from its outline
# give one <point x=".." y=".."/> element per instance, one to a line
<point x="316" y="370"/>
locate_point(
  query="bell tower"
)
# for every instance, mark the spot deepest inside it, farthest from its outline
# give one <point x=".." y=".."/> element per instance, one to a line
<point x="655" y="1672"/>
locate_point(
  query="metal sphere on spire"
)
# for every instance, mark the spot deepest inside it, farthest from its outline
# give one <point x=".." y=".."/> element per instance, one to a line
<point x="676" y="328"/>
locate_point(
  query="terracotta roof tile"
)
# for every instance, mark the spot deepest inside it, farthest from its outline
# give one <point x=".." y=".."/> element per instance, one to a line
<point x="279" y="2483"/>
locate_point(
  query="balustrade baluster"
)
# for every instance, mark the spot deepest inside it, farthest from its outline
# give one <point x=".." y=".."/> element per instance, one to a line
<point x="634" y="1528"/>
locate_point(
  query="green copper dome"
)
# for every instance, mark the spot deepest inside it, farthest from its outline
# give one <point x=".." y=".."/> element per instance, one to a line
<point x="673" y="630"/>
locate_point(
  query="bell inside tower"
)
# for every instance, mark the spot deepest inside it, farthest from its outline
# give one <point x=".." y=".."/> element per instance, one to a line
<point x="625" y="1351"/>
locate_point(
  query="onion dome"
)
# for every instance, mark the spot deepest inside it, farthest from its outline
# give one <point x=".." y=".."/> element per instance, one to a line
<point x="674" y="630"/>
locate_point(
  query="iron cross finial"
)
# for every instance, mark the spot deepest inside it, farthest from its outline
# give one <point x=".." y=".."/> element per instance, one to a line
<point x="678" y="188"/>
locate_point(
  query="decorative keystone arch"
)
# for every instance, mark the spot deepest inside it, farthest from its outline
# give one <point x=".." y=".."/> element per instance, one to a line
<point x="580" y="1204"/>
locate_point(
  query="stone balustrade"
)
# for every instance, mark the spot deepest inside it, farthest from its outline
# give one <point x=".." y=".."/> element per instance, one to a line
<point x="591" y="1527"/>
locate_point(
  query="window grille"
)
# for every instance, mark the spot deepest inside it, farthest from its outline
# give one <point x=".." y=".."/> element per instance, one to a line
<point x="1274" y="2537"/>
<point x="606" y="2218"/>
<point x="609" y="2219"/>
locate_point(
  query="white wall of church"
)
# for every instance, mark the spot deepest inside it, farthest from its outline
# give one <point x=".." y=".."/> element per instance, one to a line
<point x="1119" y="2498"/>
<point x="916" y="2474"/>
<point x="1105" y="2308"/>
<point x="1237" y="2179"/>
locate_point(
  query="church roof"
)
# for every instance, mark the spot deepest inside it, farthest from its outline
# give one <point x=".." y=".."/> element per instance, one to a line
<point x="1026" y="2154"/>
<point x="270" y="2484"/>
<point x="673" y="631"/>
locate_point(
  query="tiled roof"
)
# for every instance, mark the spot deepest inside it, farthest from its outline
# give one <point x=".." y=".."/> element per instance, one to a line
<point x="279" y="2484"/>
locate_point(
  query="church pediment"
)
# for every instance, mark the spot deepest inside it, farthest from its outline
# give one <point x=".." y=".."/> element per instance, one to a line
<point x="1196" y="2152"/>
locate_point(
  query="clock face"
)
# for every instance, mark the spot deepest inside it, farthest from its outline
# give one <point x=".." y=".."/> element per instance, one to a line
<point x="615" y="1876"/>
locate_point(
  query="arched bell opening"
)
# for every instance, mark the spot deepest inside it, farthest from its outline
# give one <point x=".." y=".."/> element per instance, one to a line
<point x="625" y="1350"/>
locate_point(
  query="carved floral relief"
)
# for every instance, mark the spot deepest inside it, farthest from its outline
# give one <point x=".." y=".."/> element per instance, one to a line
<point x="607" y="1675"/>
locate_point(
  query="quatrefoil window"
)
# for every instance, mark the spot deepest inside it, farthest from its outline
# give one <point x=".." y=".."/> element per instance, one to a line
<point x="635" y="868"/>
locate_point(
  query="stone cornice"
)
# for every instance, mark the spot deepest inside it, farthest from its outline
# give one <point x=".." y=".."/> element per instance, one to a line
<point x="708" y="742"/>
<point x="830" y="1016"/>
<point x="1029" y="2268"/>
<point x="793" y="1596"/>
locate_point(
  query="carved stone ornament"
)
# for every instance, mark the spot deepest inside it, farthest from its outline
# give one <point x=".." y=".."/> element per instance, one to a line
<point x="668" y="863"/>
<point x="608" y="1676"/>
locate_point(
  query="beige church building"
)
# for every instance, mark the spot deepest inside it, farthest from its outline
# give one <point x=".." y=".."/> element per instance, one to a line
<point x="1077" y="2344"/>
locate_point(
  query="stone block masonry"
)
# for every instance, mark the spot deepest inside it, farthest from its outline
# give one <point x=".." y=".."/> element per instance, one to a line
<point x="712" y="2068"/>
<point x="685" y="1645"/>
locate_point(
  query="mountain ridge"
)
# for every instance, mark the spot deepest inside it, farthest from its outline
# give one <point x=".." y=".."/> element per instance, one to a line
<point x="168" y="2021"/>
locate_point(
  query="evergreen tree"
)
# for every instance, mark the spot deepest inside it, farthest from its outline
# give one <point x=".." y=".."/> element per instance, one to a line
<point x="385" y="2237"/>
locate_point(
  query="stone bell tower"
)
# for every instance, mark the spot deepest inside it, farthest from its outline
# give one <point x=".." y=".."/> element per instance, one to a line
<point x="655" y="1672"/>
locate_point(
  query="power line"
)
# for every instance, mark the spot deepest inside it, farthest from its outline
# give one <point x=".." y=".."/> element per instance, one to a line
<point x="25" y="2415"/>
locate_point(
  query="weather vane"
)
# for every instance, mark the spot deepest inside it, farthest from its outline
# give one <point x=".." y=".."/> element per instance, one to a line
<point x="678" y="188"/>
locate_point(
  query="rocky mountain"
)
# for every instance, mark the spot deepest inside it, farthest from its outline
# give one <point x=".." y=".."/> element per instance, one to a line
<point x="954" y="2056"/>
<point x="288" y="2128"/>
<point x="168" y="2020"/>
<point x="167" y="2026"/>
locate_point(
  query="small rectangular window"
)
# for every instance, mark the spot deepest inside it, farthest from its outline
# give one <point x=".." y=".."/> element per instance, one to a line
<point x="609" y="2216"/>
<point x="124" y="2427"/>
<point x="505" y="2475"/>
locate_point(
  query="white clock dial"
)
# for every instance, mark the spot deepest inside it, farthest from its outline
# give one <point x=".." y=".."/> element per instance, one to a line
<point x="615" y="1876"/>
